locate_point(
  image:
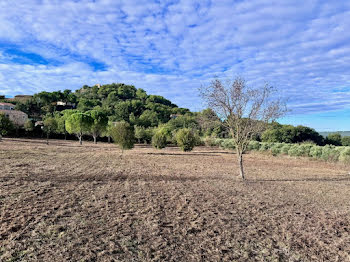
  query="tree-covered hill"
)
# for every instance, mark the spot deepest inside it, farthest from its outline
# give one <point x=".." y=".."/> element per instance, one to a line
<point x="118" y="101"/>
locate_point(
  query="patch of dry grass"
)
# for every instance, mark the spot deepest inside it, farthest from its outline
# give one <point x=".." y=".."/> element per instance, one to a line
<point x="64" y="202"/>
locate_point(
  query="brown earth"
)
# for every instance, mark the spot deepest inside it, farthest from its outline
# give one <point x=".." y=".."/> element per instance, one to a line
<point x="65" y="202"/>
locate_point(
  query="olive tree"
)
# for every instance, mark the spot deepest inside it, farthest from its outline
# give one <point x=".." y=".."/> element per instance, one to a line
<point x="185" y="139"/>
<point x="245" y="110"/>
<point x="79" y="124"/>
<point x="123" y="135"/>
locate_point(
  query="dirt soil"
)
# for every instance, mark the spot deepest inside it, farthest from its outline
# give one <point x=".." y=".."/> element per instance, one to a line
<point x="65" y="202"/>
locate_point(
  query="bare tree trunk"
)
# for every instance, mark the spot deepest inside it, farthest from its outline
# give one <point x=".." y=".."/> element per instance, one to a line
<point x="95" y="140"/>
<point x="80" y="139"/>
<point x="47" y="138"/>
<point x="240" y="162"/>
<point x="109" y="139"/>
<point x="65" y="135"/>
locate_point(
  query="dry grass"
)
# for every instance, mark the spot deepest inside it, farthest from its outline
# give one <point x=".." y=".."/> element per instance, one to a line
<point x="64" y="202"/>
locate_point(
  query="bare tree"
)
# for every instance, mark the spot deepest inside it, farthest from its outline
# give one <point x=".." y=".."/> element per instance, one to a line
<point x="245" y="110"/>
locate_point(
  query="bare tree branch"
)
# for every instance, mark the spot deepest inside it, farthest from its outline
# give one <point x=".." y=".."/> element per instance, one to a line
<point x="245" y="110"/>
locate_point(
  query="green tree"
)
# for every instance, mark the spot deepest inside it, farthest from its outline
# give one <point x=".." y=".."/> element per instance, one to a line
<point x="29" y="126"/>
<point x="140" y="133"/>
<point x="345" y="141"/>
<point x="6" y="126"/>
<point x="334" y="139"/>
<point x="185" y="139"/>
<point x="99" y="124"/>
<point x="148" y="119"/>
<point x="79" y="124"/>
<point x="159" y="139"/>
<point x="123" y="135"/>
<point x="50" y="126"/>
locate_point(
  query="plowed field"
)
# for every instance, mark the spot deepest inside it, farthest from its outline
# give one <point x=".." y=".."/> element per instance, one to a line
<point x="65" y="202"/>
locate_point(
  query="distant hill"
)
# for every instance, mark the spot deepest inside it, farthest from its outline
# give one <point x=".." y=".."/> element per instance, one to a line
<point x="342" y="133"/>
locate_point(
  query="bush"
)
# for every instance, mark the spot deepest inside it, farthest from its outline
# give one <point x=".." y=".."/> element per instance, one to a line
<point x="285" y="148"/>
<point x="333" y="139"/>
<point x="345" y="155"/>
<point x="159" y="140"/>
<point x="185" y="139"/>
<point x="316" y="152"/>
<point x="330" y="153"/>
<point x="276" y="149"/>
<point x="345" y="141"/>
<point x="6" y="126"/>
<point x="294" y="150"/>
<point x="210" y="141"/>
<point x="254" y="145"/>
<point x="123" y="135"/>
<point x="228" y="144"/>
<point x="198" y="140"/>
<point x="265" y="146"/>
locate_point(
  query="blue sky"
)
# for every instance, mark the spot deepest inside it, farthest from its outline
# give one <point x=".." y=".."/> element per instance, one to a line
<point x="171" y="48"/>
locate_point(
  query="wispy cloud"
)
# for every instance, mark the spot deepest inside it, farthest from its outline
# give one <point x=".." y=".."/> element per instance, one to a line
<point x="172" y="47"/>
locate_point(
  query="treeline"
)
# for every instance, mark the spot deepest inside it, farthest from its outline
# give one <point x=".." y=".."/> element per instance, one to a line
<point x="328" y="152"/>
<point x="94" y="110"/>
<point x="277" y="133"/>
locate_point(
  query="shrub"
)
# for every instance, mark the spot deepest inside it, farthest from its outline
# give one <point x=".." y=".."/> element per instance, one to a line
<point x="210" y="141"/>
<point x="333" y="139"/>
<point x="254" y="145"/>
<point x="293" y="151"/>
<point x="345" y="141"/>
<point x="228" y="144"/>
<point x="304" y="149"/>
<point x="198" y="140"/>
<point x="123" y="135"/>
<point x="276" y="149"/>
<point x="345" y="155"/>
<point x="185" y="139"/>
<point x="159" y="140"/>
<point x="330" y="153"/>
<point x="265" y="146"/>
<point x="6" y="126"/>
<point x="316" y="152"/>
<point x="285" y="148"/>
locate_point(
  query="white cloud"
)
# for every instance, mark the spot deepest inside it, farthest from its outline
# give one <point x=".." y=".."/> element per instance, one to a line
<point x="171" y="48"/>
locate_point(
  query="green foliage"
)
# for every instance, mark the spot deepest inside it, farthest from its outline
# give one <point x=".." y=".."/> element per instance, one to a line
<point x="276" y="149"/>
<point x="290" y="134"/>
<point x="148" y="119"/>
<point x="254" y="145"/>
<point x="345" y="141"/>
<point x="123" y="135"/>
<point x="265" y="146"/>
<point x="79" y="124"/>
<point x="185" y="139"/>
<point x="285" y="149"/>
<point x="330" y="153"/>
<point x="300" y="150"/>
<point x="159" y="139"/>
<point x="227" y="144"/>
<point x="345" y="155"/>
<point x="29" y="126"/>
<point x="316" y="152"/>
<point x="99" y="122"/>
<point x="334" y="139"/>
<point x="143" y="134"/>
<point x="50" y="125"/>
<point x="6" y="126"/>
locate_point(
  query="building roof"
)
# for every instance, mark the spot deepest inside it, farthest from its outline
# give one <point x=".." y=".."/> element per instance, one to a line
<point x="13" y="112"/>
<point x="6" y="104"/>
